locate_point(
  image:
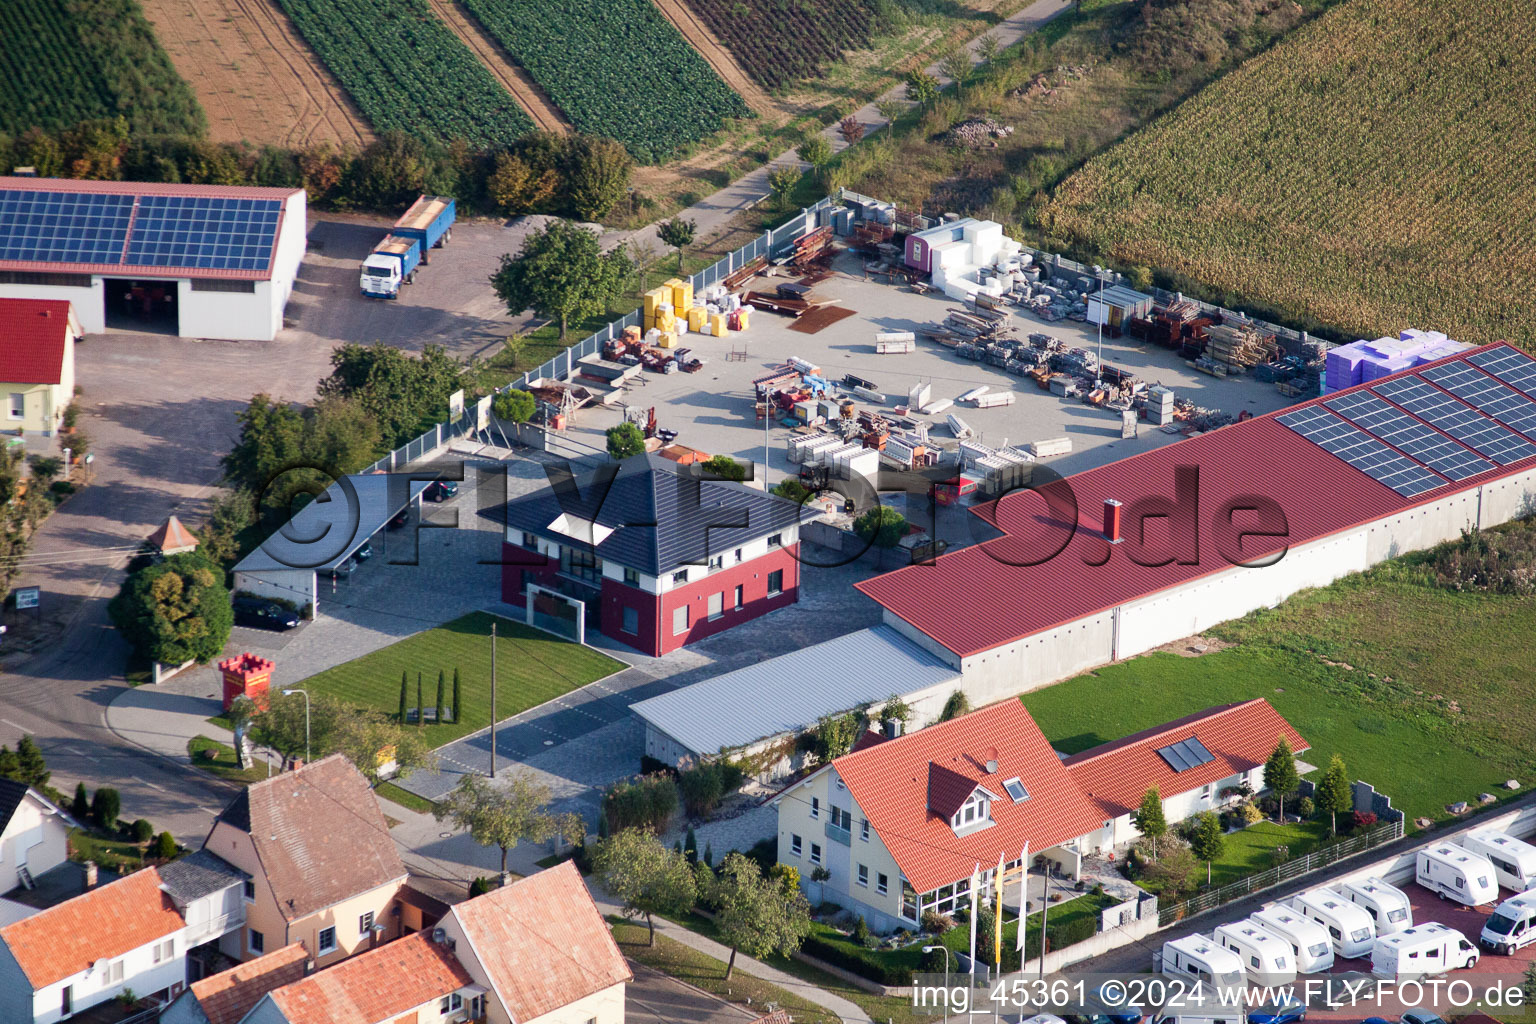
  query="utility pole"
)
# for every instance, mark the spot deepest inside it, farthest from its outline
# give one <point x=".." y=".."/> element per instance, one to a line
<point x="493" y="699"/>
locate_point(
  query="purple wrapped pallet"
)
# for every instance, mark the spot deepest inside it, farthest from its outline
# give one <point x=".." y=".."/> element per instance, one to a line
<point x="1375" y="369"/>
<point x="1343" y="366"/>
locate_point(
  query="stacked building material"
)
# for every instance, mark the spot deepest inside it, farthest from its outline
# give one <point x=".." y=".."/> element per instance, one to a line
<point x="1361" y="362"/>
<point x="1239" y="346"/>
<point x="1159" y="405"/>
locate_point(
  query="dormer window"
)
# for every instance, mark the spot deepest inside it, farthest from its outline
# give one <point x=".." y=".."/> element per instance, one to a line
<point x="1015" y="790"/>
<point x="976" y="809"/>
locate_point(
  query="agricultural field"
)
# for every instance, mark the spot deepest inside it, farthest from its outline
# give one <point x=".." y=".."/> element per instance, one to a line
<point x="779" y="43"/>
<point x="66" y="61"/>
<point x="1371" y="171"/>
<point x="407" y="72"/>
<point x="616" y="68"/>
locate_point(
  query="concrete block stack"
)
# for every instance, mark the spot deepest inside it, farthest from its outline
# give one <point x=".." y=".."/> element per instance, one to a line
<point x="674" y="308"/>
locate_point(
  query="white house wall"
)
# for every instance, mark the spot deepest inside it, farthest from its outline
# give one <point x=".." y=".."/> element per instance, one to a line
<point x="34" y="837"/>
<point x="140" y="973"/>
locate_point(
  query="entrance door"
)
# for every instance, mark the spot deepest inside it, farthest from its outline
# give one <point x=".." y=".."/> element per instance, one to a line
<point x="140" y="305"/>
<point x="69" y="1000"/>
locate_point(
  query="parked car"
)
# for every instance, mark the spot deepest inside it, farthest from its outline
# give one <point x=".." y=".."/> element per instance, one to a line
<point x="440" y="490"/>
<point x="1286" y="1009"/>
<point x="342" y="571"/>
<point x="263" y="614"/>
<point x="1422" y="1017"/>
<point x="400" y="518"/>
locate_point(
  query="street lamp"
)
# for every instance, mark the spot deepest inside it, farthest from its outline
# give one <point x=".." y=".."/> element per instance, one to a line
<point x="290" y="692"/>
<point x="930" y="949"/>
<point x="1098" y="371"/>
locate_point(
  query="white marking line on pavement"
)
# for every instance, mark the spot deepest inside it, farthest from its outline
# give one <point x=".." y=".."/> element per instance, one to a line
<point x="208" y="810"/>
<point x="151" y="785"/>
<point x="13" y="725"/>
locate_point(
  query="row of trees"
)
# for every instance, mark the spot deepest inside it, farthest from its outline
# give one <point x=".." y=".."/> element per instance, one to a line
<point x="441" y="706"/>
<point x="543" y="172"/>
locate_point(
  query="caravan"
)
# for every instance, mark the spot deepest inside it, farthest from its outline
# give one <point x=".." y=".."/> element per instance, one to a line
<point x="1265" y="956"/>
<point x="1422" y="952"/>
<point x="1349" y="927"/>
<point x="1201" y="1006"/>
<point x="1513" y="860"/>
<point x="1455" y="873"/>
<point x="1387" y="904"/>
<point x="1310" y="947"/>
<point x="1512" y="925"/>
<point x="1195" y="956"/>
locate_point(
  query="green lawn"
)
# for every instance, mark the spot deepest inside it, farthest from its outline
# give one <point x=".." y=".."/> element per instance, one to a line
<point x="223" y="763"/>
<point x="113" y="854"/>
<point x="1253" y="849"/>
<point x="404" y="797"/>
<point x="532" y="667"/>
<point x="1423" y="691"/>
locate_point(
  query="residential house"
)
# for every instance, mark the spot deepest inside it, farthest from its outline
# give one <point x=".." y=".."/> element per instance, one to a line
<point x="37" y="363"/>
<point x="541" y="952"/>
<point x="226" y="997"/>
<point x="323" y="868"/>
<point x="34" y="835"/>
<point x="658" y="555"/>
<point x="901" y="824"/>
<point x="134" y="934"/>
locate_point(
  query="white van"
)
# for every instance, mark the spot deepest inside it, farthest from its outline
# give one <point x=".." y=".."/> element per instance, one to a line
<point x="1202" y="1005"/>
<point x="1512" y="925"/>
<point x="1197" y="957"/>
<point x="1265" y="956"/>
<point x="1310" y="947"/>
<point x="1349" y="927"/>
<point x="1513" y="860"/>
<point x="1455" y="873"/>
<point x="1422" y="952"/>
<point x="1387" y="904"/>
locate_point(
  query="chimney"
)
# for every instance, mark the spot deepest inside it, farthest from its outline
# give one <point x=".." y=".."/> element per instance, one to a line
<point x="1112" y="520"/>
<point x="90" y="874"/>
<point x="992" y="761"/>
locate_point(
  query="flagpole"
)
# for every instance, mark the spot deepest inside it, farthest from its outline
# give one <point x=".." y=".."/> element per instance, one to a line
<point x="975" y="885"/>
<point x="1045" y="905"/>
<point x="997" y="925"/>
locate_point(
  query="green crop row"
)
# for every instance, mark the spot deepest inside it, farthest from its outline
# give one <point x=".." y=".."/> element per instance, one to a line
<point x="778" y="43"/>
<point x="407" y="71"/>
<point x="67" y="61"/>
<point x="617" y="68"/>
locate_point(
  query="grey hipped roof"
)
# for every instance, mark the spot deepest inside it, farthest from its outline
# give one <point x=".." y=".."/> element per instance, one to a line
<point x="790" y="692"/>
<point x="197" y="875"/>
<point x="661" y="514"/>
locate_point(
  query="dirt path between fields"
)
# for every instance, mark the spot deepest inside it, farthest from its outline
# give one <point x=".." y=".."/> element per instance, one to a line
<point x="712" y="50"/>
<point x="512" y="75"/>
<point x="254" y="74"/>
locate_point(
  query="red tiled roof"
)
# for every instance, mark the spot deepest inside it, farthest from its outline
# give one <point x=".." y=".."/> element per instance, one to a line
<point x="173" y="535"/>
<point x="229" y="995"/>
<point x="890" y="782"/>
<point x="1239" y="736"/>
<point x="33" y="337"/>
<point x="64" y="940"/>
<point x="375" y="986"/>
<point x="1257" y="457"/>
<point x="542" y="942"/>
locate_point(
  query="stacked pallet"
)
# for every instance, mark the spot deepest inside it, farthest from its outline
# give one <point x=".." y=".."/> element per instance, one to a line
<point x="1239" y="346"/>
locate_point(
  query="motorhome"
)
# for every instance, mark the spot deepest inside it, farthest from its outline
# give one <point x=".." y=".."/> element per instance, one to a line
<point x="1387" y="904"/>
<point x="1512" y="924"/>
<point x="1310" y="946"/>
<point x="1456" y="873"/>
<point x="1349" y="927"/>
<point x="1266" y="956"/>
<point x="1197" y="957"/>
<point x="1422" y="952"/>
<point x="1513" y="860"/>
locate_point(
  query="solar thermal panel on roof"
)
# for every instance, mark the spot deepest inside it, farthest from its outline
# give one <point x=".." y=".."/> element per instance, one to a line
<point x="1186" y="754"/>
<point x="1486" y="395"/>
<point x="1516" y="369"/>
<point x="1409" y="436"/>
<point x="1361" y="450"/>
<point x="1457" y="419"/>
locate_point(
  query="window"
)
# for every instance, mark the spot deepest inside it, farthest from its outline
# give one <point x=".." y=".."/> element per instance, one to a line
<point x="1253" y="962"/>
<point x="114" y="973"/>
<point x="717" y="605"/>
<point x="741" y="592"/>
<point x="776" y="582"/>
<point x="365" y="923"/>
<point x="738" y="556"/>
<point x="327" y="940"/>
<point x="864" y="830"/>
<point x="681" y="576"/>
<point x="58" y="280"/>
<point x="1206" y="790"/>
<point x="881" y="886"/>
<point x="631" y="621"/>
<point x="530" y="541"/>
<point x="1015" y="790"/>
<point x="18" y="405"/>
<point x="815" y="807"/>
<point x="794" y="844"/>
<point x="716" y="562"/>
<point x="582" y="564"/>
<point x="842" y="819"/>
<point x="163" y="951"/>
<point x="450" y="1003"/>
<point x="864" y="875"/>
<point x="679" y="620"/>
<point x="216" y="284"/>
<point x="250" y="891"/>
<point x="775" y="540"/>
<point x="255" y="941"/>
<point x="632" y="577"/>
<point x="68" y="1005"/>
<point x="815" y="853"/>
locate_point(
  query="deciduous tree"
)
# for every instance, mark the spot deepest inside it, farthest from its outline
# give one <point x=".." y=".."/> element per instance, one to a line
<point x="561" y="273"/>
<point x="816" y="151"/>
<point x="597" y="175"/>
<point x="645" y="876"/>
<point x="782" y="182"/>
<point x="1208" y="840"/>
<point x="514" y="405"/>
<point x="757" y="914"/>
<point x="499" y="816"/>
<point x="851" y="129"/>
<point x="922" y="88"/>
<point x="678" y="234"/>
<point x="176" y="610"/>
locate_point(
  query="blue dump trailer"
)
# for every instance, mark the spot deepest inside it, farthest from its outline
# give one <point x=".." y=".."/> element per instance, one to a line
<point x="393" y="262"/>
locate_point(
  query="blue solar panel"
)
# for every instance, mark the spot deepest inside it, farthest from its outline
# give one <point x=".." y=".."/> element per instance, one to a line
<point x="1486" y="395"/>
<point x="1462" y="422"/>
<point x="1409" y="436"/>
<point x="205" y="233"/>
<point x="1361" y="450"/>
<point x="1186" y="754"/>
<point x="63" y="227"/>
<point x="1516" y="369"/>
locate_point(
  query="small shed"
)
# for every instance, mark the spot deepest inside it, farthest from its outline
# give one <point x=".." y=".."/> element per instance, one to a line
<point x="1115" y="307"/>
<point x="173" y="538"/>
<point x="920" y="244"/>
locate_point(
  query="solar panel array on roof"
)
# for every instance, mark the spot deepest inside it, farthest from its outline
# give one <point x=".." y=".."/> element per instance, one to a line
<point x="187" y="231"/>
<point x="1516" y="369"/>
<point x="1360" y="450"/>
<point x="1486" y="395"/>
<point x="1186" y="754"/>
<point x="1462" y="422"/>
<point x="1409" y="436"/>
<point x="63" y="227"/>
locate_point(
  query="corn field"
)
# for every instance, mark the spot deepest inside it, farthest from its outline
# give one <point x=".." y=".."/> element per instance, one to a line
<point x="1373" y="171"/>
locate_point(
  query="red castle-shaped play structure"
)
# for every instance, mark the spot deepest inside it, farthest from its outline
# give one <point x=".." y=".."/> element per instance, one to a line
<point x="246" y="675"/>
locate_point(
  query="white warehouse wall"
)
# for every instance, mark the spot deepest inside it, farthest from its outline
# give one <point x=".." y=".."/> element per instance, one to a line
<point x="229" y="316"/>
<point x="90" y="308"/>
